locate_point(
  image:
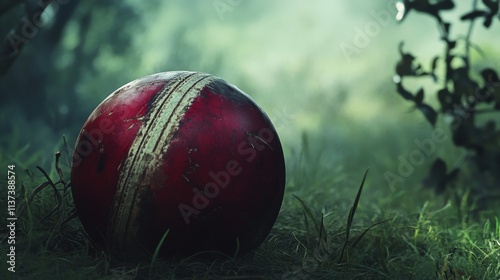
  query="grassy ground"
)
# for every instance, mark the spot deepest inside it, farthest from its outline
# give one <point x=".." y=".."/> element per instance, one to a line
<point x="407" y="234"/>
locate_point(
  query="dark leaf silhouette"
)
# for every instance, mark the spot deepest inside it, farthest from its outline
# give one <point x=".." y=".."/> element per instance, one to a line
<point x="464" y="85"/>
<point x="429" y="113"/>
<point x="434" y="63"/>
<point x="433" y="9"/>
<point x="488" y="15"/>
<point x="405" y="66"/>
<point x="465" y="133"/>
<point x="489" y="76"/>
<point x="447" y="27"/>
<point x="491" y="90"/>
<point x="444" y="5"/>
<point x="447" y="100"/>
<point x="487" y="22"/>
<point x="474" y="14"/>
<point x="404" y="93"/>
<point x="486" y="94"/>
<point x="433" y="68"/>
<point x="444" y="100"/>
<point x="419" y="97"/>
<point x="492" y="5"/>
<point x="452" y="45"/>
<point x="438" y="177"/>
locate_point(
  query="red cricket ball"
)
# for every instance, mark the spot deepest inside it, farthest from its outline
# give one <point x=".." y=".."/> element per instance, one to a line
<point x="179" y="151"/>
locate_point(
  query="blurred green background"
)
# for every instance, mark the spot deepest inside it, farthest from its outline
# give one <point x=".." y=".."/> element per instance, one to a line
<point x="322" y="70"/>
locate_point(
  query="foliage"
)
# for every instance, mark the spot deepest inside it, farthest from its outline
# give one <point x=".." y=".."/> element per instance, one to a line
<point x="53" y="64"/>
<point x="461" y="97"/>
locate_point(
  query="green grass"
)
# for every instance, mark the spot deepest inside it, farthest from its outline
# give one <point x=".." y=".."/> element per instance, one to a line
<point x="332" y="225"/>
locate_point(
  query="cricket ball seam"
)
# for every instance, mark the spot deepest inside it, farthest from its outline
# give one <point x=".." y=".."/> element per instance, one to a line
<point x="151" y="142"/>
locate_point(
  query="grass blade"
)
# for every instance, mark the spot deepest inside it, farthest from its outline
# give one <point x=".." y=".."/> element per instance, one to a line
<point x="157" y="251"/>
<point x="350" y="217"/>
<point x="319" y="225"/>
<point x="308" y="212"/>
<point x="356" y="201"/>
<point x="365" y="231"/>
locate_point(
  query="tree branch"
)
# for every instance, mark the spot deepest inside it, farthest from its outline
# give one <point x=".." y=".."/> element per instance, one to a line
<point x="469" y="34"/>
<point x="25" y="29"/>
